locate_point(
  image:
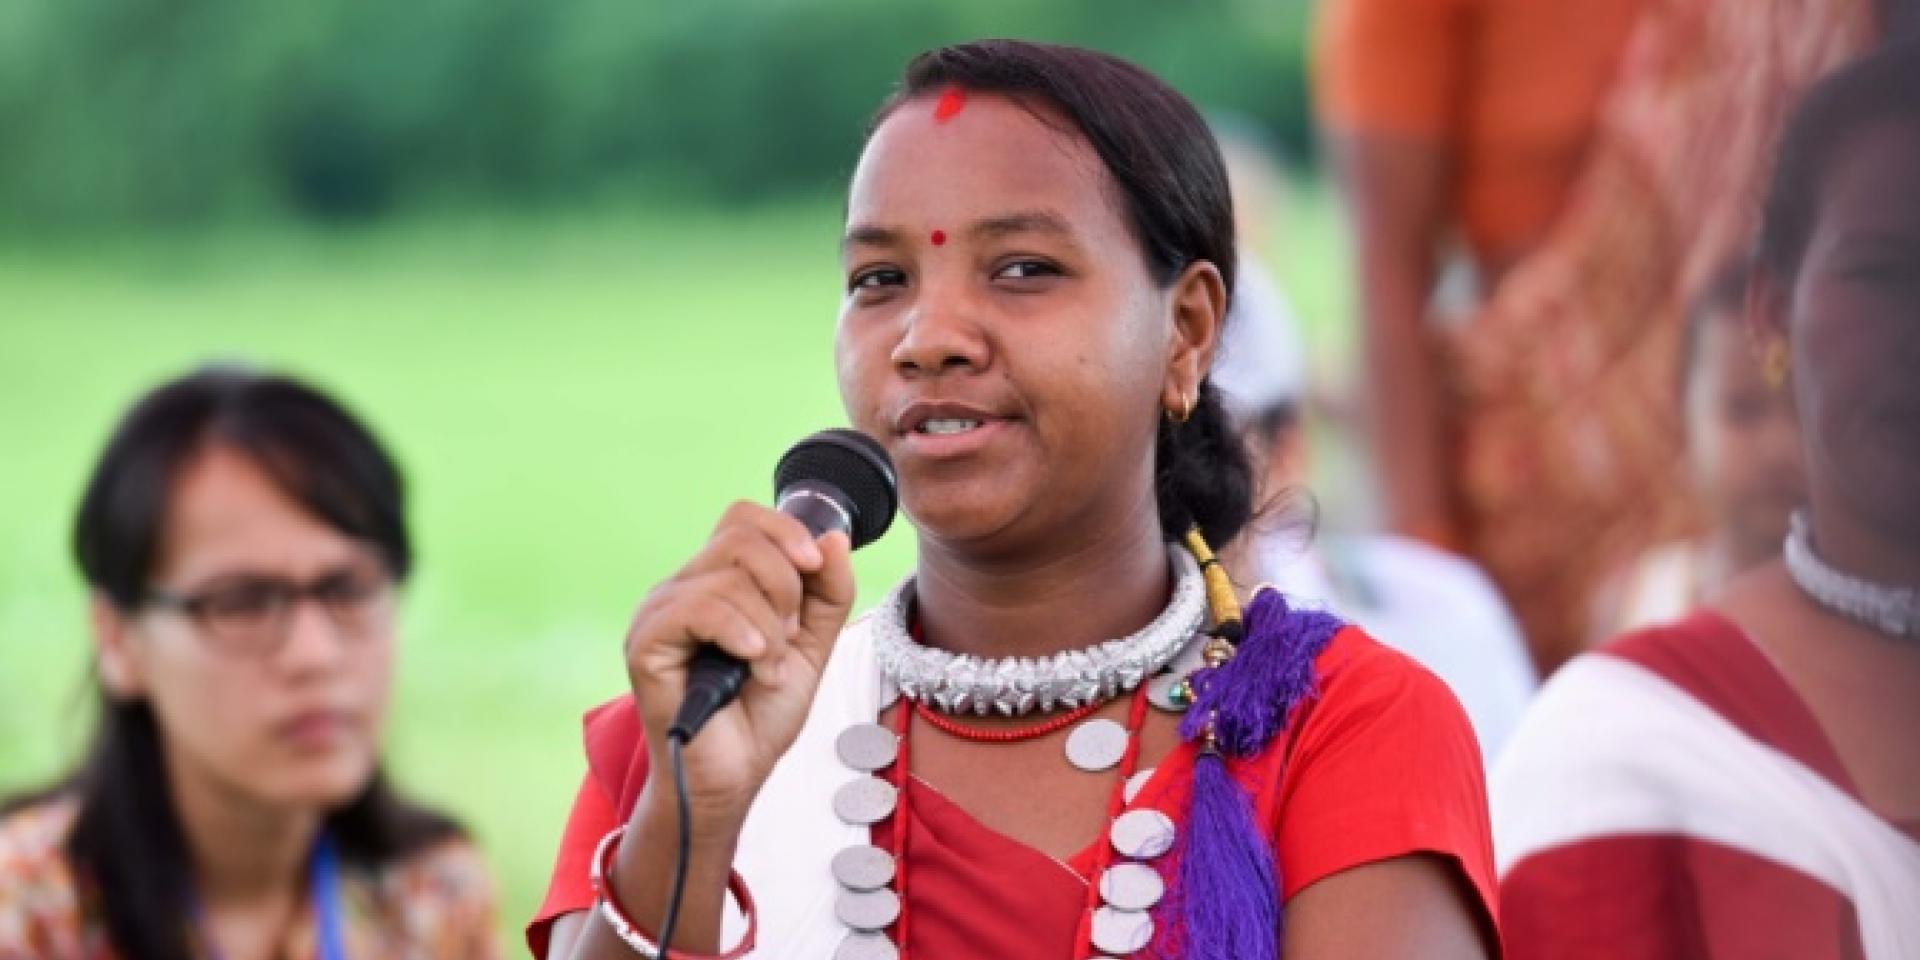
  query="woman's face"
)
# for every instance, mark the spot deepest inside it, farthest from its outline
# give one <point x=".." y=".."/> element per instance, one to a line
<point x="1000" y="333"/>
<point x="1854" y="320"/>
<point x="284" y="713"/>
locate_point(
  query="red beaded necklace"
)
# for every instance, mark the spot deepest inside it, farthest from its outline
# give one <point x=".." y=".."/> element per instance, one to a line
<point x="1004" y="735"/>
<point x="1116" y="803"/>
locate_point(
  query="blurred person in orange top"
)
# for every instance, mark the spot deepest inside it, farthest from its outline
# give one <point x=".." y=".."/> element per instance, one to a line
<point x="1581" y="168"/>
<point x="1743" y="457"/>
<point x="1457" y="128"/>
<point x="243" y="536"/>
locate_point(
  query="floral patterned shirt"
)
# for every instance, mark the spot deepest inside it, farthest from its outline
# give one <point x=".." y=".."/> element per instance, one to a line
<point x="437" y="904"/>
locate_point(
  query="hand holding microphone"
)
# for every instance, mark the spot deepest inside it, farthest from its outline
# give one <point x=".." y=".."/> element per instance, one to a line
<point x="724" y="658"/>
<point x="754" y="614"/>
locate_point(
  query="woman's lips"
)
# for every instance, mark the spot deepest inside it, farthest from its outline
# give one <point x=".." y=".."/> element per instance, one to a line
<point x="314" y="730"/>
<point x="947" y="428"/>
<point x="952" y="438"/>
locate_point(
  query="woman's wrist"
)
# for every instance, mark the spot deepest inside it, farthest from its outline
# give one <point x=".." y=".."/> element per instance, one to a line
<point x="610" y="908"/>
<point x="715" y="824"/>
<point x="641" y="868"/>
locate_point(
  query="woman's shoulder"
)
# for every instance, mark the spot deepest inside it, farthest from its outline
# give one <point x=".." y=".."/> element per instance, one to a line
<point x="1381" y="763"/>
<point x="443" y="894"/>
<point x="1382" y="726"/>
<point x="1707" y="661"/>
<point x="1358" y="677"/>
<point x="39" y="904"/>
<point x="453" y="866"/>
<point x="33" y="835"/>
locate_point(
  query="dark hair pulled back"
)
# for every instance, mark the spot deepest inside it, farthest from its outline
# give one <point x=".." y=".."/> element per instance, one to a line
<point x="1882" y="87"/>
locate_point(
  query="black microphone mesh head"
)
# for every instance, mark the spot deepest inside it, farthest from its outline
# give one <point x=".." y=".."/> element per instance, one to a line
<point x="853" y="462"/>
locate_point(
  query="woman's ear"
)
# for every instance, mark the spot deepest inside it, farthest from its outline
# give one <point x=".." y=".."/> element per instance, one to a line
<point x="121" y="670"/>
<point x="1198" y="301"/>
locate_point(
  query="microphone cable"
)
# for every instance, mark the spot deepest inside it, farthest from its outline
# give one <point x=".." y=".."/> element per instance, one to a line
<point x="845" y="482"/>
<point x="676" y="743"/>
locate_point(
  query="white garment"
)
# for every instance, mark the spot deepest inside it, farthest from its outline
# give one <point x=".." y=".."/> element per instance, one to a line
<point x="791" y="834"/>
<point x="1613" y="749"/>
<point x="1435" y="607"/>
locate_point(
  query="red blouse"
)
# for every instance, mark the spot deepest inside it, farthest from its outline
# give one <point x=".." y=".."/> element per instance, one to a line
<point x="1381" y="764"/>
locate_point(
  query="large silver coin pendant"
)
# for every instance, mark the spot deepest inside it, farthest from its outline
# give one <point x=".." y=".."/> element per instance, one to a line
<point x="1097" y="745"/>
<point x="865" y="801"/>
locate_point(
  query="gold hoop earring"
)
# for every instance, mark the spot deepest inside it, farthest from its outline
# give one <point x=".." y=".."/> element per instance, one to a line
<point x="1774" y="364"/>
<point x="1186" y="410"/>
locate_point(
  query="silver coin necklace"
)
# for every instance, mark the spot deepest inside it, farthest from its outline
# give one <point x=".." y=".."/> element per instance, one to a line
<point x="1124" y="886"/>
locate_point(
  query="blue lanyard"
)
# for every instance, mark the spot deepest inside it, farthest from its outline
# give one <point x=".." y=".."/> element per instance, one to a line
<point x="324" y="881"/>
<point x="323" y="888"/>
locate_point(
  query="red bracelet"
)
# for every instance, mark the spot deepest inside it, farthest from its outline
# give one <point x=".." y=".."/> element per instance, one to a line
<point x="615" y="916"/>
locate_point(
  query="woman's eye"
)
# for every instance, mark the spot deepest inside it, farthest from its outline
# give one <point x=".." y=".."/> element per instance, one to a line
<point x="1026" y="270"/>
<point x="876" y="278"/>
<point x="243" y="600"/>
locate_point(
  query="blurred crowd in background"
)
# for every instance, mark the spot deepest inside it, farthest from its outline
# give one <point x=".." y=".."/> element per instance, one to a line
<point x="1494" y="342"/>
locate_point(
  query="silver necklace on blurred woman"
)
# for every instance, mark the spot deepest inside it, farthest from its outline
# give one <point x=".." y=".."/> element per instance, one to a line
<point x="1894" y="611"/>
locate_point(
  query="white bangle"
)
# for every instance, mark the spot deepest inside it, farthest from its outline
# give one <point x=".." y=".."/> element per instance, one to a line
<point x="609" y="911"/>
<point x="607" y="905"/>
<point x="634" y="939"/>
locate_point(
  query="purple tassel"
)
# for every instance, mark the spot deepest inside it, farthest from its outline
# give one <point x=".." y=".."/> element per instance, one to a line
<point x="1226" y="889"/>
<point x="1227" y="893"/>
<point x="1251" y="696"/>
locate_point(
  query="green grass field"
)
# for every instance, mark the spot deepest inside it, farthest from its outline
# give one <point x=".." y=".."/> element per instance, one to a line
<point x="574" y="398"/>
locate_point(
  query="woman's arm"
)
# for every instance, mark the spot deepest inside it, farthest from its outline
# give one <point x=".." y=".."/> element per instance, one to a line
<point x="769" y="594"/>
<point x="1414" y="907"/>
<point x="1391" y="79"/>
<point x="566" y="933"/>
<point x="641" y="874"/>
<point x="1394" y="190"/>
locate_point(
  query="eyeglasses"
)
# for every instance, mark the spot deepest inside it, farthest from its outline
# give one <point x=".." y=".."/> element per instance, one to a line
<point x="249" y="615"/>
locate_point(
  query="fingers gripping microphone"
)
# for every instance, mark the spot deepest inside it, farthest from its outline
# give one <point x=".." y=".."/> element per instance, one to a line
<point x="833" y="480"/>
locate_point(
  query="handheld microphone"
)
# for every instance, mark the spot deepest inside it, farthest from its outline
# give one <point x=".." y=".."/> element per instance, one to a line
<point x="833" y="480"/>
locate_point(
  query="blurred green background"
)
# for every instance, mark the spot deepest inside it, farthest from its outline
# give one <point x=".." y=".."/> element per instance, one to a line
<point x="575" y="260"/>
<point x="172" y="111"/>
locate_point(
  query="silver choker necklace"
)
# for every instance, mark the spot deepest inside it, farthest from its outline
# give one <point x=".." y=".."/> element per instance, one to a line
<point x="959" y="683"/>
<point x="1894" y="611"/>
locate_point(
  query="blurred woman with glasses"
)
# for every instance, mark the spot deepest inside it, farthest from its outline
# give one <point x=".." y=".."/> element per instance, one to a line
<point x="243" y="537"/>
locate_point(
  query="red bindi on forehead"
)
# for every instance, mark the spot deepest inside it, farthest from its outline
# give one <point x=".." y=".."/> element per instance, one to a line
<point x="951" y="102"/>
